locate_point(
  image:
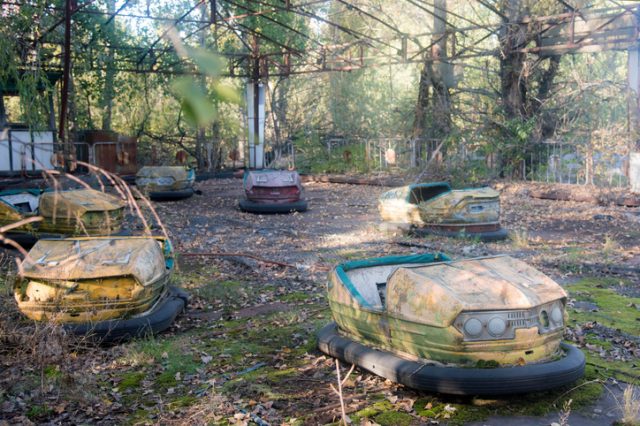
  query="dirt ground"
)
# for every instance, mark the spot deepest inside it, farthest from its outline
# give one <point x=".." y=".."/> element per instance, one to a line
<point x="244" y="352"/>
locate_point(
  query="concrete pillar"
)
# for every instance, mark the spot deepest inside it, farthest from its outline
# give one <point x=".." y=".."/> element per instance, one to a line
<point x="256" y="139"/>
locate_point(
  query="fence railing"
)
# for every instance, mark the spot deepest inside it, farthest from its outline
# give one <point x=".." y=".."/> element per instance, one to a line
<point x="546" y="162"/>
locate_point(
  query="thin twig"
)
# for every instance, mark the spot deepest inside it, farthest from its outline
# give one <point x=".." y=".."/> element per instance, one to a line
<point x="338" y="391"/>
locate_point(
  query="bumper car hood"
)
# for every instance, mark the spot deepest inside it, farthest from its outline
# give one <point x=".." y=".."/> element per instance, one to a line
<point x="77" y="202"/>
<point x="436" y="294"/>
<point x="95" y="258"/>
<point x="178" y="173"/>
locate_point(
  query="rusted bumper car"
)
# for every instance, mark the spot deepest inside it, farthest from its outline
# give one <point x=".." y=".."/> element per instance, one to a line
<point x="436" y="209"/>
<point x="486" y="326"/>
<point x="65" y="213"/>
<point x="273" y="191"/>
<point x="110" y="288"/>
<point x="166" y="183"/>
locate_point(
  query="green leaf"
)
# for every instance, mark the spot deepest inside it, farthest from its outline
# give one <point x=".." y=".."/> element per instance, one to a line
<point x="198" y="108"/>
<point x="227" y="93"/>
<point x="207" y="62"/>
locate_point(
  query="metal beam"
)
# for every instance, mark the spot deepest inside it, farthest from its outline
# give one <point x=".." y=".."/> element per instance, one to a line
<point x="164" y="33"/>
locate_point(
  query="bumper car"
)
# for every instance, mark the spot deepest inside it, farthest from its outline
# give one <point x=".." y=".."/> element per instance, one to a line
<point x="110" y="288"/>
<point x="273" y="191"/>
<point x="434" y="208"/>
<point x="166" y="183"/>
<point x="65" y="213"/>
<point x="485" y="326"/>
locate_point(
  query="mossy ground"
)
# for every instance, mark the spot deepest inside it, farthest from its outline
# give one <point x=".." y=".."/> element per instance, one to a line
<point x="616" y="315"/>
<point x="614" y="310"/>
<point x="271" y="359"/>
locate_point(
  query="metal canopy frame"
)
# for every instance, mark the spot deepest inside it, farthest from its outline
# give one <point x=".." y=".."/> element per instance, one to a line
<point x="317" y="56"/>
<point x="618" y="30"/>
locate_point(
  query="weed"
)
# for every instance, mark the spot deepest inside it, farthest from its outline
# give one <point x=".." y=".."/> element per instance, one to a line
<point x="183" y="401"/>
<point x="630" y="407"/>
<point x="565" y="413"/>
<point x="520" y="239"/>
<point x="610" y="246"/>
<point x="36" y="412"/>
<point x="131" y="380"/>
<point x="52" y="372"/>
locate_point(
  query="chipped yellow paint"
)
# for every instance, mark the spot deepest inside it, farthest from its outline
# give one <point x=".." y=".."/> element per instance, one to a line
<point x="9" y="215"/>
<point x="146" y="178"/>
<point x="92" y="279"/>
<point x="421" y="304"/>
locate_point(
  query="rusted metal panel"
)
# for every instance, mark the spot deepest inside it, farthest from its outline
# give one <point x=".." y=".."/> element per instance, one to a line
<point x="110" y="151"/>
<point x="106" y="156"/>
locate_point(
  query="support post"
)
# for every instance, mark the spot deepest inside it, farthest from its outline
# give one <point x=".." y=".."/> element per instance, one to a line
<point x="255" y="115"/>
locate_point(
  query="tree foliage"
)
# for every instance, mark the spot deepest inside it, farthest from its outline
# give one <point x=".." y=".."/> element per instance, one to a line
<point x="504" y="101"/>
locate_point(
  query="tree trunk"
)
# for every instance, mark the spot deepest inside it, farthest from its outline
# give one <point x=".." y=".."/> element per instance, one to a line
<point x="548" y="122"/>
<point x="279" y="106"/>
<point x="441" y="75"/>
<point x="513" y="76"/>
<point x="432" y="119"/>
<point x="110" y="73"/>
<point x="214" y="159"/>
<point x="420" y="115"/>
<point x="201" y="134"/>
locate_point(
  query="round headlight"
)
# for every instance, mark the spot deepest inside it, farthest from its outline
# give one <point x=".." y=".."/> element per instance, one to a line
<point x="556" y="315"/>
<point x="473" y="327"/>
<point x="165" y="181"/>
<point x="497" y="326"/>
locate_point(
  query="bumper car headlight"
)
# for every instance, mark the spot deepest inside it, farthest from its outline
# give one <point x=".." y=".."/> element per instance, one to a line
<point x="473" y="327"/>
<point x="165" y="181"/>
<point x="496" y="326"/>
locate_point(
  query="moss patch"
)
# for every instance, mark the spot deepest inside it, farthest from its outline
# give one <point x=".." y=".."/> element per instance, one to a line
<point x="173" y="355"/>
<point x="599" y="368"/>
<point x="614" y="310"/>
<point x="393" y="418"/>
<point x="131" y="380"/>
<point x="184" y="401"/>
<point x="582" y="393"/>
<point x="295" y="296"/>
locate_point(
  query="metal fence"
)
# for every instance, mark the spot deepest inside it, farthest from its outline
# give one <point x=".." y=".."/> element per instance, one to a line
<point x="551" y="162"/>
